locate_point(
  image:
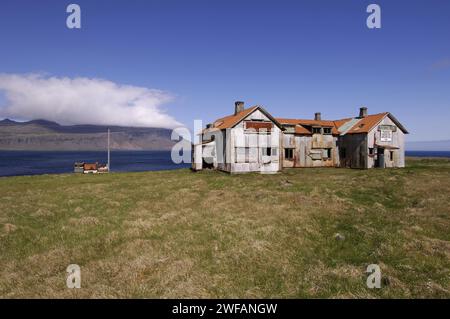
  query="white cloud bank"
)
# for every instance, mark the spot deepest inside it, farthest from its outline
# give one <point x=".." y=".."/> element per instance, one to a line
<point x="82" y="101"/>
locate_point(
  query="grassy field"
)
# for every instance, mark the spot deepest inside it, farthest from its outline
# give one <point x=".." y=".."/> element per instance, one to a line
<point x="208" y="234"/>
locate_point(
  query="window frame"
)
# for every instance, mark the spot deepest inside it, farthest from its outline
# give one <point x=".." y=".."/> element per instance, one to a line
<point x="266" y="151"/>
<point x="287" y="151"/>
<point x="274" y="151"/>
<point x="325" y="129"/>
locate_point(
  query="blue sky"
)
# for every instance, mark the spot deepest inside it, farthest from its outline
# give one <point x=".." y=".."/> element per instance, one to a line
<point x="293" y="57"/>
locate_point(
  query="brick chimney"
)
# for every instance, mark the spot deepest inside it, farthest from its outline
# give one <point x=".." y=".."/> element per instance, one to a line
<point x="363" y="112"/>
<point x="238" y="107"/>
<point x="318" y="116"/>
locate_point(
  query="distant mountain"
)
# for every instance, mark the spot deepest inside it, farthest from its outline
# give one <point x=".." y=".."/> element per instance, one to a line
<point x="46" y="135"/>
<point x="428" y="146"/>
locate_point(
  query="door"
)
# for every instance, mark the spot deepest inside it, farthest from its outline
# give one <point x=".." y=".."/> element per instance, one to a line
<point x="380" y="155"/>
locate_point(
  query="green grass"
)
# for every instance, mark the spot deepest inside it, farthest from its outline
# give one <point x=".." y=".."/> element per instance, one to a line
<point x="209" y="234"/>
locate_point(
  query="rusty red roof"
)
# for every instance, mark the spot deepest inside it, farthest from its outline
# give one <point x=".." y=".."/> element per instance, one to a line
<point x="366" y="124"/>
<point x="231" y="120"/>
<point x="304" y="126"/>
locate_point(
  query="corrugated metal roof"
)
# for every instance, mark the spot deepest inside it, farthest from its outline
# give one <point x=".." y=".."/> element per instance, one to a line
<point x="344" y="126"/>
<point x="302" y="130"/>
<point x="306" y="122"/>
<point x="347" y="125"/>
<point x="304" y="126"/>
<point x="365" y="124"/>
<point x="232" y="120"/>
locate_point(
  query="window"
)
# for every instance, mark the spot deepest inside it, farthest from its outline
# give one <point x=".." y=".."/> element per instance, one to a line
<point x="317" y="130"/>
<point x="267" y="151"/>
<point x="240" y="154"/>
<point x="371" y="151"/>
<point x="247" y="154"/>
<point x="289" y="153"/>
<point x="328" y="152"/>
<point x="392" y="155"/>
<point x="289" y="128"/>
<point x="327" y="130"/>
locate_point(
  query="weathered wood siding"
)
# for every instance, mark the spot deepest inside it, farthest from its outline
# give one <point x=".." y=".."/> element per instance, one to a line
<point x="353" y="150"/>
<point x="310" y="151"/>
<point x="396" y="146"/>
<point x="246" y="147"/>
<point x="239" y="138"/>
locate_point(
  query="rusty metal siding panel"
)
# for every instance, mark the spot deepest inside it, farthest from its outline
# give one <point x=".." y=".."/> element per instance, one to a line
<point x="322" y="141"/>
<point x="312" y="151"/>
<point x="302" y="151"/>
<point x="264" y="126"/>
<point x="247" y="141"/>
<point x="355" y="146"/>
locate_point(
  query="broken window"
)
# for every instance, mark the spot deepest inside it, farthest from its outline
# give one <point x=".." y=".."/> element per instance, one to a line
<point x="327" y="130"/>
<point x="274" y="152"/>
<point x="289" y="128"/>
<point x="289" y="153"/>
<point x="267" y="151"/>
<point x="317" y="130"/>
<point x="316" y="155"/>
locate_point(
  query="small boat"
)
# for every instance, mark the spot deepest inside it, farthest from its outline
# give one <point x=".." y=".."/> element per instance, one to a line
<point x="102" y="168"/>
<point x="90" y="168"/>
<point x="93" y="168"/>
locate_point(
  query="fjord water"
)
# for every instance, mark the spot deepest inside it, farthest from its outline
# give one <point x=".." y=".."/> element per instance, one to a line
<point x="13" y="163"/>
<point x="428" y="153"/>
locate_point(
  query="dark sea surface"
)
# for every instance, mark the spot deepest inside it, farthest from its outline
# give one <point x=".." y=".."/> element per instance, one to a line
<point x="44" y="162"/>
<point x="428" y="153"/>
<point x="36" y="162"/>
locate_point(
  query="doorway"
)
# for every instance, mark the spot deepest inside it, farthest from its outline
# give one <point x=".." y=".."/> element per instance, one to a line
<point x="380" y="158"/>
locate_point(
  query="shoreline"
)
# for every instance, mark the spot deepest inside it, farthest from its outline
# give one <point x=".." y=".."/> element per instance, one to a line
<point x="411" y="158"/>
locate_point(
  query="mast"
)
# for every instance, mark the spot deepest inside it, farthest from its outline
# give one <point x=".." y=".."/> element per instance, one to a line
<point x="109" y="153"/>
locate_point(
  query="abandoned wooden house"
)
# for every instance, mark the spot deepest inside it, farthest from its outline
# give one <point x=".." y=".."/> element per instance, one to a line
<point x="252" y="140"/>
